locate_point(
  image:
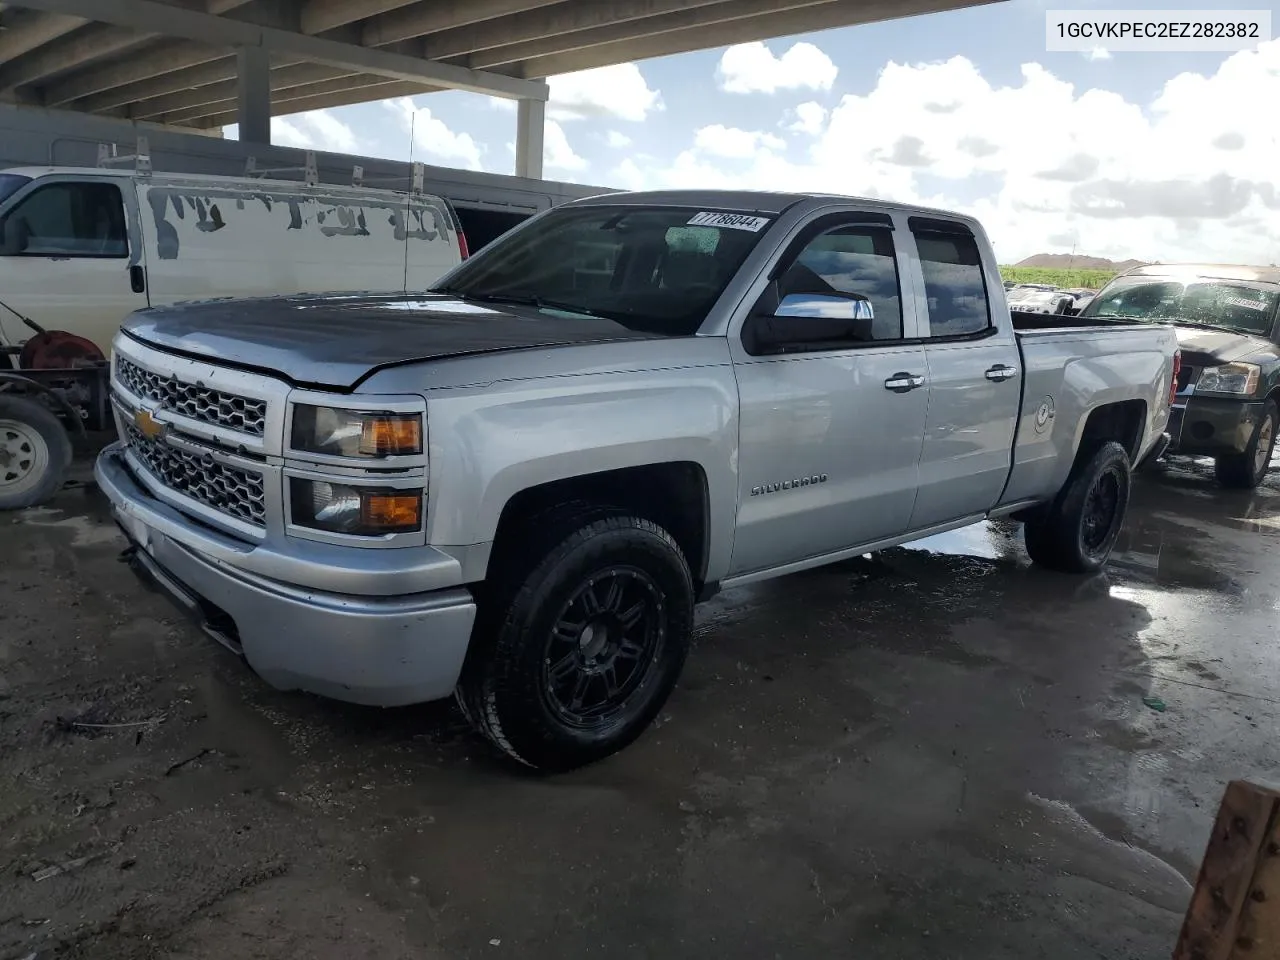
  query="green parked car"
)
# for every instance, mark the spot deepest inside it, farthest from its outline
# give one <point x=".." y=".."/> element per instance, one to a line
<point x="1229" y="384"/>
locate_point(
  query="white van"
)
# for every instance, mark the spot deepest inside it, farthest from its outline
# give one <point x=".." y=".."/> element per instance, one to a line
<point x="80" y="249"/>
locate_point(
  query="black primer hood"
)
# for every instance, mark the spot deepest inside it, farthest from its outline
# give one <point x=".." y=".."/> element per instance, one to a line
<point x="335" y="340"/>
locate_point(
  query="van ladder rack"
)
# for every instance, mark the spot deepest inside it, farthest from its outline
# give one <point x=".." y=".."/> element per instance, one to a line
<point x="417" y="179"/>
<point x="140" y="158"/>
<point x="310" y="171"/>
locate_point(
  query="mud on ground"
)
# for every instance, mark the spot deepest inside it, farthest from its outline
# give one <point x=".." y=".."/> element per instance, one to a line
<point x="936" y="751"/>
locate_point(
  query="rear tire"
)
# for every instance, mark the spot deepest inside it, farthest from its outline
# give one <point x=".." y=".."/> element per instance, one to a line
<point x="35" y="453"/>
<point x="582" y="633"/>
<point x="1077" y="532"/>
<point x="1244" y="471"/>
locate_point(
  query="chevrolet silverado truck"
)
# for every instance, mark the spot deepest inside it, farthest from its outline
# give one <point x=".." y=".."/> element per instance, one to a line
<point x="514" y="487"/>
<point x="1228" y="401"/>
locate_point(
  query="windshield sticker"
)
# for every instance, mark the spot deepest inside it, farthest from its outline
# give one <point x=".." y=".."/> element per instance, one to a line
<point x="733" y="221"/>
<point x="1242" y="302"/>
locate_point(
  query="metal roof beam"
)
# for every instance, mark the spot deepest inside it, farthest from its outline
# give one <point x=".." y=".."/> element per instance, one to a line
<point x="24" y="31"/>
<point x="85" y="46"/>
<point x="686" y="18"/>
<point x="90" y="43"/>
<point x="785" y="23"/>
<point x="421" y="19"/>
<point x="223" y="92"/>
<point x="321" y="15"/>
<point x="171" y="21"/>
<point x="566" y="17"/>
<point x="379" y="88"/>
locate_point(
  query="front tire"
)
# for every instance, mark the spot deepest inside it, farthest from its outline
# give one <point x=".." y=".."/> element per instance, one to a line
<point x="580" y="640"/>
<point x="35" y="453"/>
<point x="1244" y="471"/>
<point x="1078" y="531"/>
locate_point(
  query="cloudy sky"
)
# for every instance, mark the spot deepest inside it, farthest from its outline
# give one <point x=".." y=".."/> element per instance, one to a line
<point x="1147" y="155"/>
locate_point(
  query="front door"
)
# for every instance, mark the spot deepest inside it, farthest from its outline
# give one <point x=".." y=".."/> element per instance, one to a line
<point x="830" y="432"/>
<point x="66" y="261"/>
<point x="975" y="377"/>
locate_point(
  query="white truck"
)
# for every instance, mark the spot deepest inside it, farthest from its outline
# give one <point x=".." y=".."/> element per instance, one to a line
<point x="82" y="248"/>
<point x="515" y="487"/>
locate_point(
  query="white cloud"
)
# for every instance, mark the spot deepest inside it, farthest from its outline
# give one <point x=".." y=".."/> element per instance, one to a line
<point x="1097" y="53"/>
<point x="432" y="137"/>
<point x="806" y="118"/>
<point x="752" y="68"/>
<point x="721" y="141"/>
<point x="316" y="130"/>
<point x="556" y="151"/>
<point x="618" y="140"/>
<point x="619" y="91"/>
<point x="1040" y="162"/>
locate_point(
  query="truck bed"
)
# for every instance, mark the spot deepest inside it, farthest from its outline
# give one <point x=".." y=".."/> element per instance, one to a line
<point x="1071" y="365"/>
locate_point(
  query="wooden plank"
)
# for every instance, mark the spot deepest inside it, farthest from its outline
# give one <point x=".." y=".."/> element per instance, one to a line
<point x="1259" y="933"/>
<point x="1223" y="919"/>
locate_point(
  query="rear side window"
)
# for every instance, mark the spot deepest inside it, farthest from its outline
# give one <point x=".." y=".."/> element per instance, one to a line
<point x="954" y="284"/>
<point x="69" y="220"/>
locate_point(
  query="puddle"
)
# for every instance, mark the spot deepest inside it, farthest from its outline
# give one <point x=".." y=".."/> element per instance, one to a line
<point x="986" y="540"/>
<point x="85" y="531"/>
<point x="1067" y="817"/>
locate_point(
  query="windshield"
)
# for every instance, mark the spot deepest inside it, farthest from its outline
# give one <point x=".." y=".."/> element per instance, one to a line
<point x="9" y="182"/>
<point x="1201" y="301"/>
<point x="657" y="269"/>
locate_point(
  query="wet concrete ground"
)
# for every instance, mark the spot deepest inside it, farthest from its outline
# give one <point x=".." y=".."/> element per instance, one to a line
<point x="940" y="751"/>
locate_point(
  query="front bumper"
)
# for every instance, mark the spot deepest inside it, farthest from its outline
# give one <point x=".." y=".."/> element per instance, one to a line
<point x="376" y="650"/>
<point x="1212" y="426"/>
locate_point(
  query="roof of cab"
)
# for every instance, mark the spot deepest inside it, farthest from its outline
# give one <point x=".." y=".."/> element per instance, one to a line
<point x="1219" y="271"/>
<point x="754" y="201"/>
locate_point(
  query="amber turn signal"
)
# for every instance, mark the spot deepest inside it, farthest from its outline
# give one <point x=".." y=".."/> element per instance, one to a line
<point x="390" y="512"/>
<point x="391" y="436"/>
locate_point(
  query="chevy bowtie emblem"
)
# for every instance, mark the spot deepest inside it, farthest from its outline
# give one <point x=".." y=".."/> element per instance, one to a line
<point x="147" y="425"/>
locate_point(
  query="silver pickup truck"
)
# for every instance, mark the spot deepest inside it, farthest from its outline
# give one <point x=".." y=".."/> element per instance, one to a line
<point x="516" y="486"/>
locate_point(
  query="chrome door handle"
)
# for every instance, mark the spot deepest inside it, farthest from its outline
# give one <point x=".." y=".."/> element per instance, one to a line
<point x="904" y="382"/>
<point x="1001" y="372"/>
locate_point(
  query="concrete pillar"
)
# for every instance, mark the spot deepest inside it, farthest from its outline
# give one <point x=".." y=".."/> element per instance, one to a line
<point x="531" y="118"/>
<point x="253" y="92"/>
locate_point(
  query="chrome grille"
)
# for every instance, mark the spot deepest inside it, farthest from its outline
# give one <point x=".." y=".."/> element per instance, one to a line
<point x="216" y="407"/>
<point x="230" y="490"/>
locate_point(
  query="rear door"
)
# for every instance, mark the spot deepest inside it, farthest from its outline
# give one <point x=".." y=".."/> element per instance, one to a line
<point x="70" y="263"/>
<point x="830" y="432"/>
<point x="974" y="371"/>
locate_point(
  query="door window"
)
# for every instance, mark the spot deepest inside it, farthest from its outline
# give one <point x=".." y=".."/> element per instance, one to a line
<point x="68" y="220"/>
<point x="857" y="260"/>
<point x="953" y="284"/>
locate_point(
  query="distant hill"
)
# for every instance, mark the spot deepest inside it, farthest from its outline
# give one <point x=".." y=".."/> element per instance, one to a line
<point x="1065" y="261"/>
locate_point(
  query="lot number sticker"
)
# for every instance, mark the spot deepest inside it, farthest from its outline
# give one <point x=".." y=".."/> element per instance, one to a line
<point x="734" y="221"/>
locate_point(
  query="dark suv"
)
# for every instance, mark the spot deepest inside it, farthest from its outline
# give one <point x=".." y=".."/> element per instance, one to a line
<point x="1229" y="385"/>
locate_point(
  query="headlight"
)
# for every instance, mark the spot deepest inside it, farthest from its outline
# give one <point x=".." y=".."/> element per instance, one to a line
<point x="1241" y="378"/>
<point x="358" y="511"/>
<point x="359" y="434"/>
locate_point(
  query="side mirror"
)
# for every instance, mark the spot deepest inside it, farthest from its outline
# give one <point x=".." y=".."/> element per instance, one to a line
<point x="15" y="236"/>
<point x="842" y="306"/>
<point x="812" y="319"/>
